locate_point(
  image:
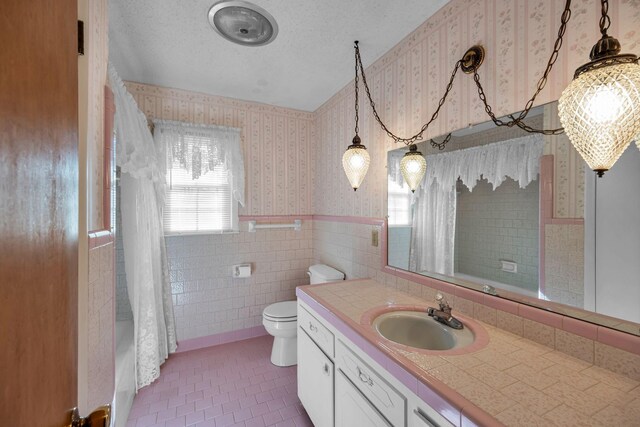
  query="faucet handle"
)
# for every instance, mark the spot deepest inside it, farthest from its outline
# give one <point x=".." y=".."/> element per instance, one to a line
<point x="443" y="303"/>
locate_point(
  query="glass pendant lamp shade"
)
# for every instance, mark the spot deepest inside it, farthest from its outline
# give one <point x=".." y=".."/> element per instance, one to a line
<point x="413" y="167"/>
<point x="355" y="162"/>
<point x="600" y="112"/>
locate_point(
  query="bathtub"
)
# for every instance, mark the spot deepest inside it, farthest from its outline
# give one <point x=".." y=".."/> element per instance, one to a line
<point x="125" y="373"/>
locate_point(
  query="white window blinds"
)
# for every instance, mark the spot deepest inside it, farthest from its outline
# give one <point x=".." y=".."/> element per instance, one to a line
<point x="204" y="176"/>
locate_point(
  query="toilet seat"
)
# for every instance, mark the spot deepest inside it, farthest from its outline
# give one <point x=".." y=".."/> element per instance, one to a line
<point x="286" y="311"/>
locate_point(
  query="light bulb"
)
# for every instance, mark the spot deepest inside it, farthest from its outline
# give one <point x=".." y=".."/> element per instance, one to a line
<point x="603" y="104"/>
<point x="356" y="160"/>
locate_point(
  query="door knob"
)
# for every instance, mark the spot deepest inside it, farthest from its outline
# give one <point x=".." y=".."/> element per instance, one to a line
<point x="101" y="417"/>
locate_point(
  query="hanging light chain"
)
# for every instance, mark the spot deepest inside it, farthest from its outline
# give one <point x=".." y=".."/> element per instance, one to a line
<point x="441" y="145"/>
<point x="356" y="82"/>
<point x="605" y="21"/>
<point x="418" y="136"/>
<point x="518" y="121"/>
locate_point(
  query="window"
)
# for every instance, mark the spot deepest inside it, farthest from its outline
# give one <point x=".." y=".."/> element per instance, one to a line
<point x="204" y="175"/>
<point x="399" y="204"/>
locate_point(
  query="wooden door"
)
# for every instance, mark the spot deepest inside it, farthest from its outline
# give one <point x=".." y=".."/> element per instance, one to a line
<point x="38" y="211"/>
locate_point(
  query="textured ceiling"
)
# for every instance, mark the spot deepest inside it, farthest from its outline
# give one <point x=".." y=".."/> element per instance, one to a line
<point x="170" y="43"/>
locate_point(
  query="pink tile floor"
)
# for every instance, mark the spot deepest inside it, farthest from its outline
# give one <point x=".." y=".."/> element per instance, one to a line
<point x="227" y="385"/>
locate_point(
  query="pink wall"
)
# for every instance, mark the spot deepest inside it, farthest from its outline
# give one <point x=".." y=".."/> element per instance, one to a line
<point x="277" y="143"/>
<point x="408" y="80"/>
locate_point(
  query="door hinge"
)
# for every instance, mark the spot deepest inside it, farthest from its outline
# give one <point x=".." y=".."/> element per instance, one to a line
<point x="80" y="38"/>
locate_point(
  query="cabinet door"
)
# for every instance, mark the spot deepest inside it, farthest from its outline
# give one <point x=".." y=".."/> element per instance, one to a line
<point x="352" y="408"/>
<point x="315" y="381"/>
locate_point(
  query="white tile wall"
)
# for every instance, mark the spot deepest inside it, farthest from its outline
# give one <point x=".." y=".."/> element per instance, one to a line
<point x="399" y="246"/>
<point x="498" y="224"/>
<point x="347" y="247"/>
<point x="207" y="300"/>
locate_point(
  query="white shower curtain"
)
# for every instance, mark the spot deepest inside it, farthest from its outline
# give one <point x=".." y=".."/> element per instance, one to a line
<point x="433" y="230"/>
<point x="142" y="196"/>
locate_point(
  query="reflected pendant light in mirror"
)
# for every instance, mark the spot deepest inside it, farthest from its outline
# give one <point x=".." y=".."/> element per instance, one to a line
<point x="600" y="109"/>
<point x="413" y="166"/>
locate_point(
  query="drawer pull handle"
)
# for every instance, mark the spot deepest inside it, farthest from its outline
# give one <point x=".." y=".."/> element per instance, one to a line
<point x="424" y="418"/>
<point x="365" y="378"/>
<point x="325" y="369"/>
<point x="312" y="327"/>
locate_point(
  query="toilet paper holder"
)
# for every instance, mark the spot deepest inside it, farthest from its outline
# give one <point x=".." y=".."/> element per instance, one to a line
<point x="241" y="270"/>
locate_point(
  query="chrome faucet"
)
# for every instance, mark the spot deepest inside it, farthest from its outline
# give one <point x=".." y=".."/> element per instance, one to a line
<point x="443" y="315"/>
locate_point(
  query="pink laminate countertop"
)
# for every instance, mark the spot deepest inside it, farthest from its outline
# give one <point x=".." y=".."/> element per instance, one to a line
<point x="510" y="381"/>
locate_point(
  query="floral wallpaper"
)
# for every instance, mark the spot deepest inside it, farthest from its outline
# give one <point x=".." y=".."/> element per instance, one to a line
<point x="276" y="143"/>
<point x="407" y="82"/>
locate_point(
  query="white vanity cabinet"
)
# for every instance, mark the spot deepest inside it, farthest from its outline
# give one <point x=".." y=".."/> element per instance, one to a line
<point x="351" y="389"/>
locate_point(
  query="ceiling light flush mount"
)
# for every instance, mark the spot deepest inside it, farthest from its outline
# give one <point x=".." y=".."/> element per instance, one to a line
<point x="413" y="166"/>
<point x="600" y="109"/>
<point x="355" y="160"/>
<point x="243" y="23"/>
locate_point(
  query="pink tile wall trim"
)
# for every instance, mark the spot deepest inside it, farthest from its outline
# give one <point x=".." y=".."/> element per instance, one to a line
<point x="274" y="217"/>
<point x="619" y="340"/>
<point x="223" y="338"/>
<point x="350" y="219"/>
<point x="541" y="316"/>
<point x="578" y="327"/>
<point x="500" y="304"/>
<point x="546" y="212"/>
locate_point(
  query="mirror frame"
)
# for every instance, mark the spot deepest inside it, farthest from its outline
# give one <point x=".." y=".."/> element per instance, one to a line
<point x="474" y="291"/>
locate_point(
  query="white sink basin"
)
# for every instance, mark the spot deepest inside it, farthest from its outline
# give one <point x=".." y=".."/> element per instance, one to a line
<point x="419" y="330"/>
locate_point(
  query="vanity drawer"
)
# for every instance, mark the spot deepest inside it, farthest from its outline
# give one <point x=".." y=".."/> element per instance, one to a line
<point x="380" y="393"/>
<point x="316" y="330"/>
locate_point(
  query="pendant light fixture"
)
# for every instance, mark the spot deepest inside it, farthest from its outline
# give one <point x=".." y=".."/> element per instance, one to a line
<point x="413" y="166"/>
<point x="355" y="160"/>
<point x="600" y="109"/>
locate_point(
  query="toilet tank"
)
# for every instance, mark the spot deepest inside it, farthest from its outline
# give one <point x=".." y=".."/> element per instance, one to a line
<point x="320" y="273"/>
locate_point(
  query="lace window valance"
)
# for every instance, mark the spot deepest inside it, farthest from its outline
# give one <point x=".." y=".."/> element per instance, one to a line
<point x="199" y="149"/>
<point x="518" y="159"/>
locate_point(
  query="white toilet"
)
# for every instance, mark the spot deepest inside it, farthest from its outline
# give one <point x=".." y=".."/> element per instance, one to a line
<point x="280" y="319"/>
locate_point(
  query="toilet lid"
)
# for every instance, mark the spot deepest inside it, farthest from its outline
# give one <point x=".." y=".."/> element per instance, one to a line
<point x="281" y="310"/>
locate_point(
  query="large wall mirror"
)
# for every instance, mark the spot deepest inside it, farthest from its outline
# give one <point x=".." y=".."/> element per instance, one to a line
<point x="517" y="215"/>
